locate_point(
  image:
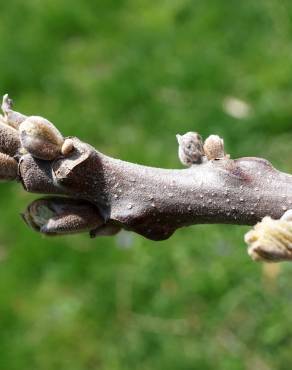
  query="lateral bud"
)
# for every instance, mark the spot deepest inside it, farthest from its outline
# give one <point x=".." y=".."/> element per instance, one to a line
<point x="41" y="138"/>
<point x="214" y="147"/>
<point x="190" y="148"/>
<point x="59" y="216"/>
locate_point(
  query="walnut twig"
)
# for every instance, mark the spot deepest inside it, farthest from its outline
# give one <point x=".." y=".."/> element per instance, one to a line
<point x="152" y="202"/>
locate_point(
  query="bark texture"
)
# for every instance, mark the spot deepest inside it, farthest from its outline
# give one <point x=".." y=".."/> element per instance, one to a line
<point x="154" y="202"/>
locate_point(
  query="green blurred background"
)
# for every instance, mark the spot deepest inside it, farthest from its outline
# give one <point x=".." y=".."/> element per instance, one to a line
<point x="126" y="76"/>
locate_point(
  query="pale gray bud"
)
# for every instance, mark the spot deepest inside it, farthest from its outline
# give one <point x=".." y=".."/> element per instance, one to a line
<point x="190" y="150"/>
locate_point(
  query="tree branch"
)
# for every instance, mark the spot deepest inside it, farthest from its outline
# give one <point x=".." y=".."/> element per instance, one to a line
<point x="155" y="202"/>
<point x="101" y="194"/>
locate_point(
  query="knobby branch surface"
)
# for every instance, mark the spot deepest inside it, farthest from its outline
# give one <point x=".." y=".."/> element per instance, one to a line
<point x="90" y="191"/>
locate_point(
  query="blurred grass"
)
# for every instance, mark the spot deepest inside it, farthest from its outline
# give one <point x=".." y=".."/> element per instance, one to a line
<point x="126" y="76"/>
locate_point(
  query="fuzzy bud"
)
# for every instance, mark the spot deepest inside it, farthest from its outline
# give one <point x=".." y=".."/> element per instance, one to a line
<point x="271" y="240"/>
<point x="190" y="150"/>
<point x="40" y="138"/>
<point x="214" y="147"/>
<point x="56" y="215"/>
